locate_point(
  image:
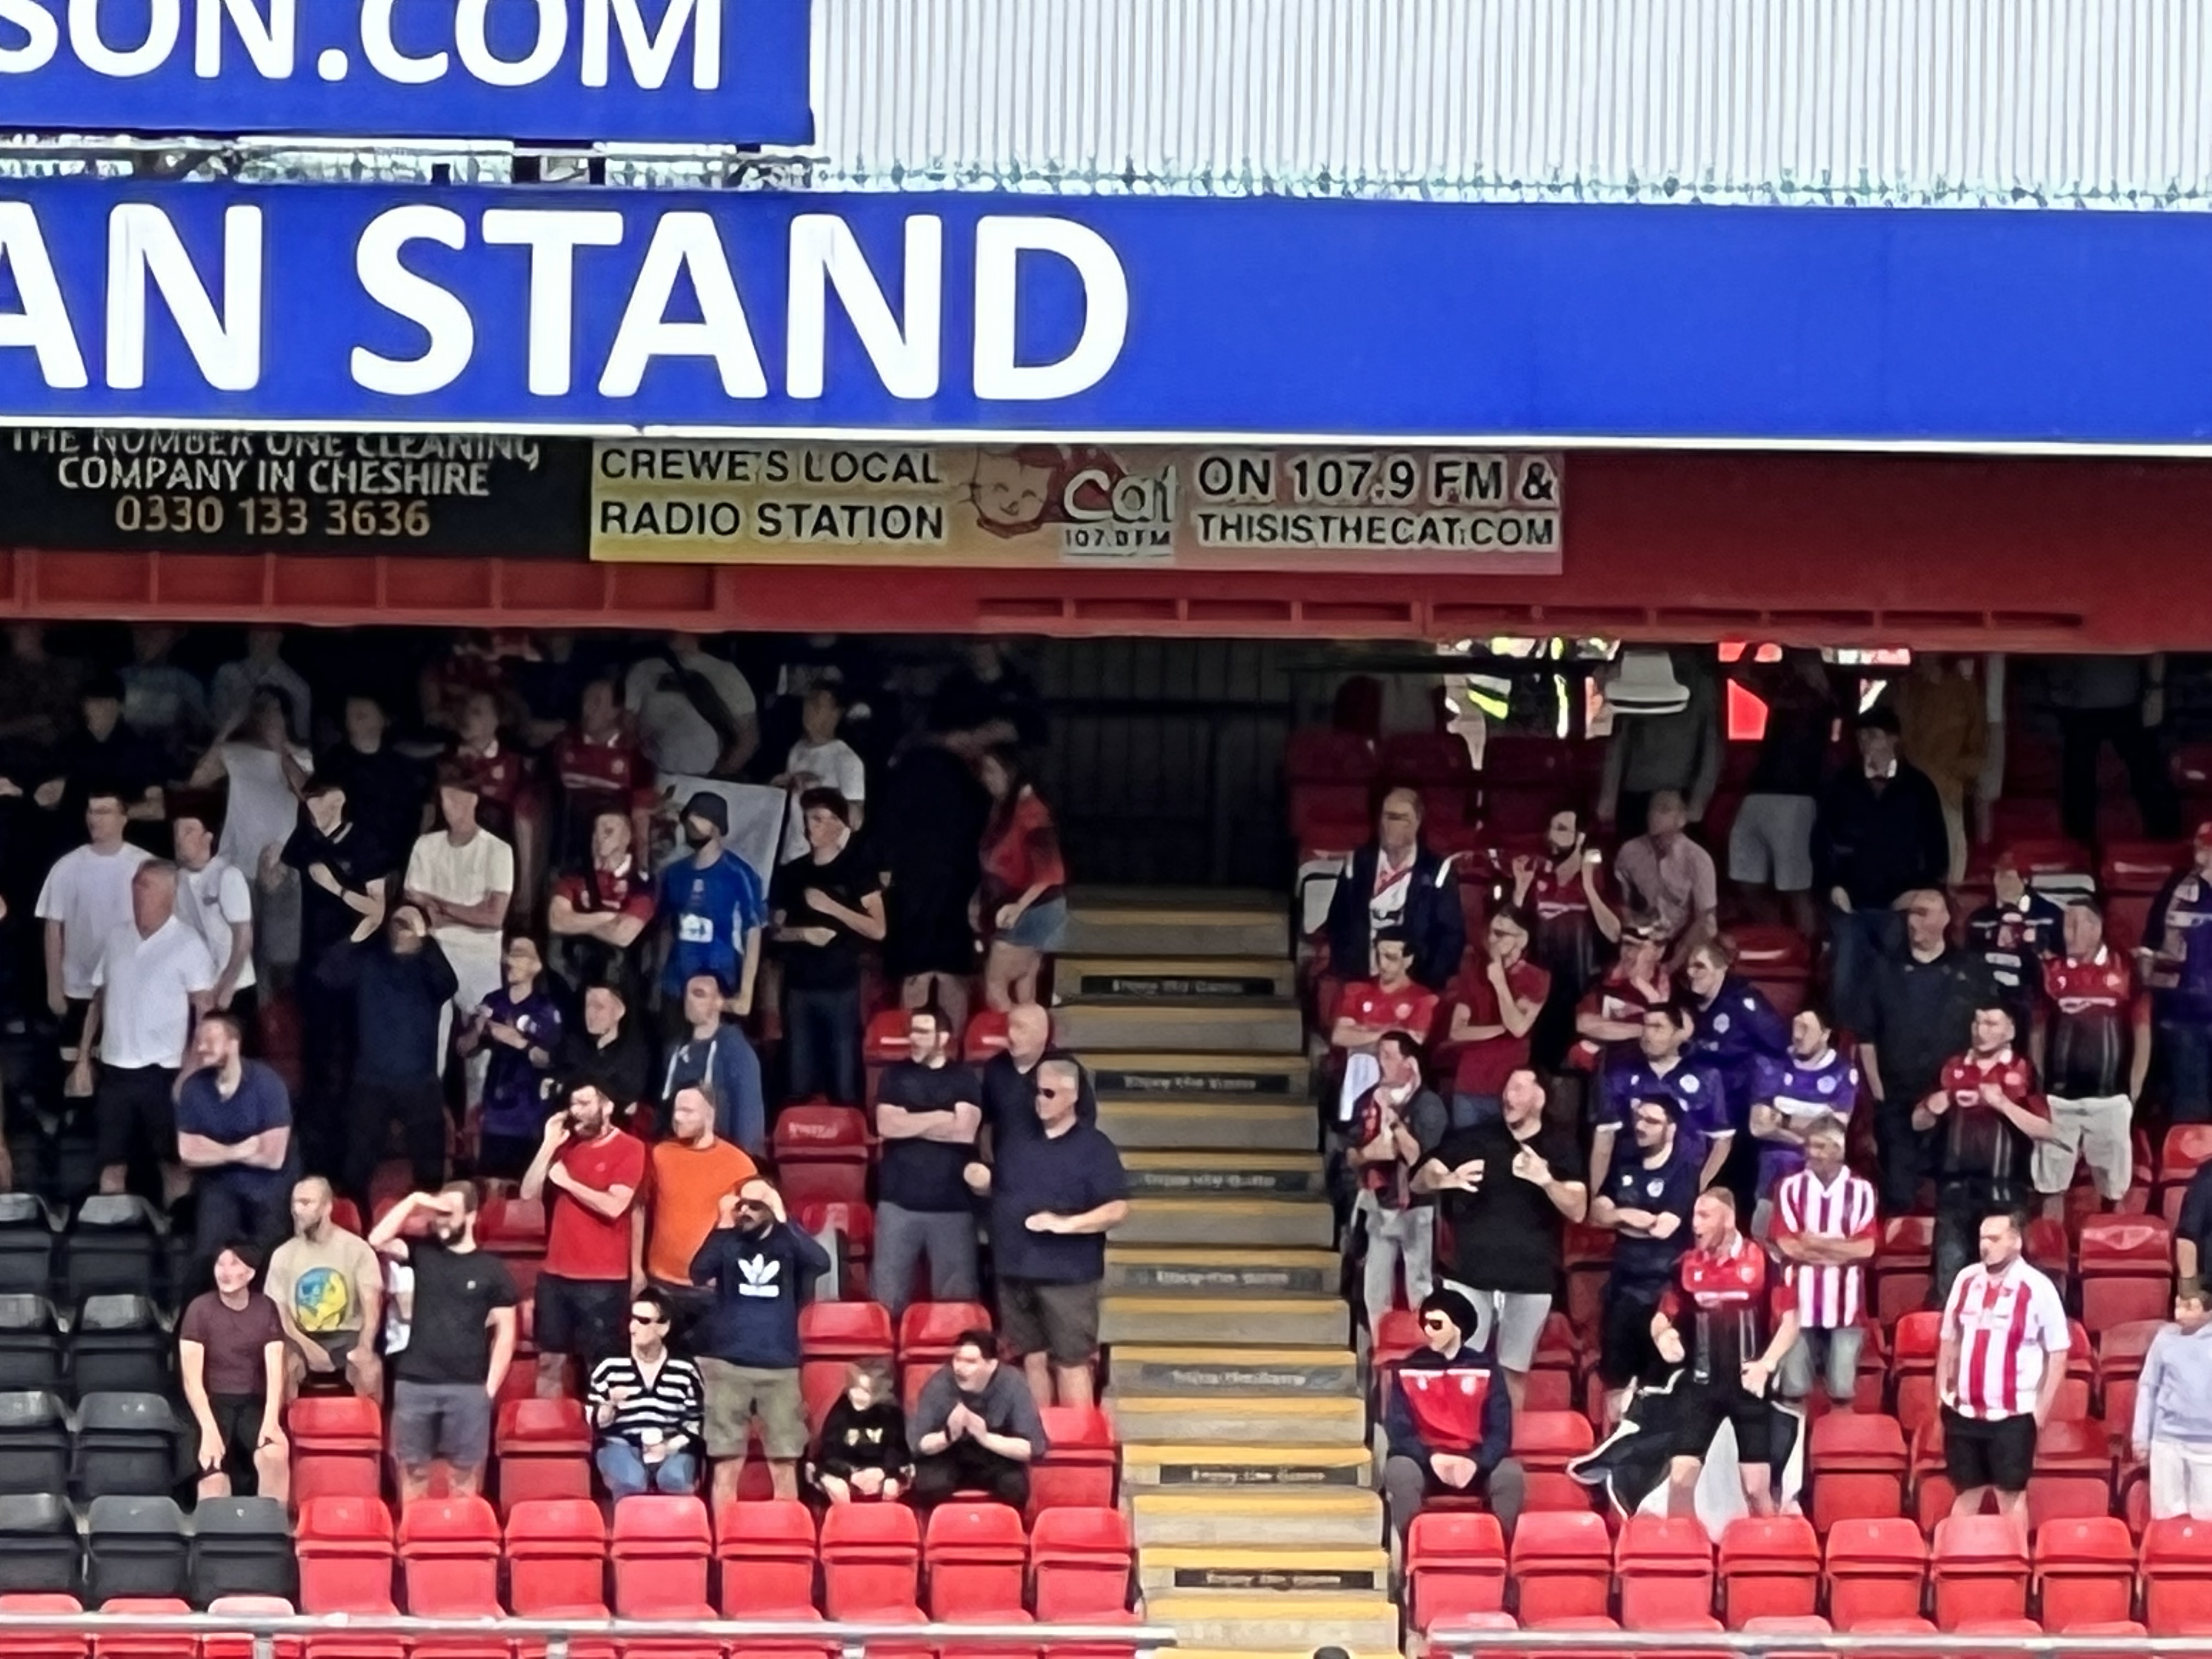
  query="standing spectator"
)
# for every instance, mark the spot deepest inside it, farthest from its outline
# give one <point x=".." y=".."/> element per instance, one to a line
<point x="695" y="714"/>
<point x="1646" y="1201"/>
<point x="1053" y="1197"/>
<point x="1571" y="921"/>
<point x="1769" y="849"/>
<point x="235" y="1135"/>
<point x="929" y="820"/>
<point x="344" y="886"/>
<point x="1009" y="1078"/>
<point x="500" y="772"/>
<point x="1396" y="882"/>
<point x="822" y="760"/>
<point x="328" y="1292"/>
<point x="1881" y="835"/>
<point x="103" y="753"/>
<point x="2016" y="934"/>
<point x="1662" y="1066"/>
<point x="163" y="703"/>
<point x="1734" y="1028"/>
<point x="688" y="1176"/>
<point x="988" y="702"/>
<point x="2179" y="929"/>
<point x="1611" y="1012"/>
<point x="263" y="666"/>
<point x="714" y="1056"/>
<point x="230" y="1359"/>
<point x="1498" y="1007"/>
<point x="595" y="1171"/>
<point x="152" y="975"/>
<point x="1825" y="1230"/>
<point x="214" y="901"/>
<point x="402" y="986"/>
<point x="1449" y="1425"/>
<point x="385" y="789"/>
<point x="762" y="1271"/>
<point x="1393" y="1125"/>
<point x="460" y="1339"/>
<point x="1680" y="750"/>
<point x="462" y="879"/>
<point x="1943" y="729"/>
<point x="929" y="1112"/>
<point x="266" y="770"/>
<point x="2002" y="1362"/>
<point x="87" y="896"/>
<point x="610" y="1052"/>
<point x="1924" y="1003"/>
<point x="1368" y="1011"/>
<point x="602" y="771"/>
<point x="976" y="1428"/>
<point x="2173" y="1427"/>
<point x="1668" y="877"/>
<point x="2095" y="1053"/>
<point x="1811" y="1084"/>
<point x="649" y="1409"/>
<point x="1507" y="1188"/>
<point x="598" y="916"/>
<point x="2192" y="1230"/>
<point x="1022" y="905"/>
<point x="38" y="691"/>
<point x="861" y="1455"/>
<point x="714" y="908"/>
<point x="519" y="1026"/>
<point x="1991" y="1116"/>
<point x="2119" y="701"/>
<point x="824" y="906"/>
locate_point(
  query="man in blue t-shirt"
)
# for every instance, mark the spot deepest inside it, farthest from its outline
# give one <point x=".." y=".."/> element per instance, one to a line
<point x="235" y="1133"/>
<point x="1662" y="1065"/>
<point x="713" y="908"/>
<point x="1645" y="1202"/>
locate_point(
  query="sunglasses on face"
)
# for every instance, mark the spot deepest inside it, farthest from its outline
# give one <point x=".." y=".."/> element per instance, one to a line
<point x="1434" y="1323"/>
<point x="647" y="1319"/>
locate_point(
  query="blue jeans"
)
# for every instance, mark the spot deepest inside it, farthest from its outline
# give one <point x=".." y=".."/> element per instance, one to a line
<point x="1861" y="939"/>
<point x="2187" y="1044"/>
<point x="822" y="1043"/>
<point x="628" y="1475"/>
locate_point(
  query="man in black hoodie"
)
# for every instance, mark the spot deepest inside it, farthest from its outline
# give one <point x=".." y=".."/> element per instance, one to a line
<point x="1881" y="835"/>
<point x="399" y="985"/>
<point x="1397" y="881"/>
<point x="1449" y="1421"/>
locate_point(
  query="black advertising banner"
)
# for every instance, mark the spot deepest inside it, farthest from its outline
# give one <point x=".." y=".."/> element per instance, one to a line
<point x="73" y="490"/>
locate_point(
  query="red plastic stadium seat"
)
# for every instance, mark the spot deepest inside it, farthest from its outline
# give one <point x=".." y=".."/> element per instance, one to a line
<point x="928" y="1330"/>
<point x="512" y="1226"/>
<point x="1455" y="1565"/>
<point x="449" y="1558"/>
<point x="1321" y="754"/>
<point x="2127" y="1271"/>
<point x="2120" y="1354"/>
<point x="2084" y="1572"/>
<point x="1858" y="1465"/>
<point x="2177" y="1575"/>
<point x="1666" y="1567"/>
<point x="1979" y="1569"/>
<point x="1770" y="1568"/>
<point x="977" y="1555"/>
<point x="544" y="1451"/>
<point x="2186" y="1146"/>
<point x="1397" y="1335"/>
<point x="219" y="1645"/>
<point x="1876" y="1571"/>
<point x="1903" y="1267"/>
<point x="2073" y="1475"/>
<point x="870" y="1559"/>
<point x="337" y="1447"/>
<point x="1079" y="1470"/>
<point x="1546" y="1443"/>
<point x="821" y="1153"/>
<point x="986" y="1036"/>
<point x="556" y="1559"/>
<point x="831" y="1336"/>
<point x="1562" y="1563"/>
<point x="41" y="1644"/>
<point x="1914" y="1347"/>
<point x="768" y="1552"/>
<point x="884" y="1040"/>
<point x="660" y="1549"/>
<point x="1079" y="1562"/>
<point x="2140" y="867"/>
<point x="345" y="1551"/>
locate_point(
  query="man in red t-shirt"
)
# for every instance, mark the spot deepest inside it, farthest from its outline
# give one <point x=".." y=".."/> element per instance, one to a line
<point x="1370" y="1010"/>
<point x="583" y="1295"/>
<point x="1496" y="1009"/>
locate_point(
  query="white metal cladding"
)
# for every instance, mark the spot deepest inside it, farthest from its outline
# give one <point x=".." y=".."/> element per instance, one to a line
<point x="2012" y="102"/>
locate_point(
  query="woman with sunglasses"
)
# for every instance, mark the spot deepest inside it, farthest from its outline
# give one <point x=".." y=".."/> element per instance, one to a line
<point x="649" y="1408"/>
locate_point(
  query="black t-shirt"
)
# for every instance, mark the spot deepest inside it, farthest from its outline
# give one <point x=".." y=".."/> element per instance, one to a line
<point x="123" y="760"/>
<point x="1067" y="1175"/>
<point x="847" y="878"/>
<point x="1009" y="1101"/>
<point x="455" y="1293"/>
<point x="385" y="795"/>
<point x="1646" y="1264"/>
<point x="925" y="1175"/>
<point x="1924" y="1014"/>
<point x="327" y="921"/>
<point x="1505" y="1234"/>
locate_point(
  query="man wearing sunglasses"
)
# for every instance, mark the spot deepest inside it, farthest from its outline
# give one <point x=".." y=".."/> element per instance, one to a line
<point x="1449" y="1421"/>
<point x="649" y="1408"/>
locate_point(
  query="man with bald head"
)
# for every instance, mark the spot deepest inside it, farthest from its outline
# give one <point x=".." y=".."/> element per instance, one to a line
<point x="1009" y="1084"/>
<point x="1397" y="881"/>
<point x="328" y="1287"/>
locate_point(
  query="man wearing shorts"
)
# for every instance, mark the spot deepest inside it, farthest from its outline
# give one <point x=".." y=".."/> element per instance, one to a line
<point x="2096" y="1057"/>
<point x="1645" y="1202"/>
<point x="459" y="1344"/>
<point x="2000" y="1366"/>
<point x="1053" y="1197"/>
<point x="593" y="1171"/>
<point x="230" y="1359"/>
<point x="762" y="1271"/>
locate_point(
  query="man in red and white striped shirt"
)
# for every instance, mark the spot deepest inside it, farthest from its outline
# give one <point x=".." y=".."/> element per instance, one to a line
<point x="2001" y="1363"/>
<point x="1824" y="1228"/>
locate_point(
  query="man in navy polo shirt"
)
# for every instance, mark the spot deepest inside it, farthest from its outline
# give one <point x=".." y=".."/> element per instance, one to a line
<point x="1662" y="1068"/>
<point x="235" y="1133"/>
<point x="1646" y="1201"/>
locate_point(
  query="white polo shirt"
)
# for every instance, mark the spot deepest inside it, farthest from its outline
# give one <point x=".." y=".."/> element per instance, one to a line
<point x="467" y="874"/>
<point x="89" y="892"/>
<point x="215" y="902"/>
<point x="146" y="1017"/>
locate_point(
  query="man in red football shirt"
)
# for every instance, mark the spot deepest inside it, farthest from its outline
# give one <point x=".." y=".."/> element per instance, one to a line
<point x="594" y="1170"/>
<point x="1371" y="1009"/>
<point x="1988" y="1116"/>
<point x="601" y="769"/>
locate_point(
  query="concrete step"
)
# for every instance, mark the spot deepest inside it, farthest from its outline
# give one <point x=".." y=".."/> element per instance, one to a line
<point x="1174" y="922"/>
<point x="1264" y="1420"/>
<point x="1222" y="1273"/>
<point x="1146" y="1073"/>
<point x="1279" y="1467"/>
<point x="1241" y="1623"/>
<point x="1191" y="1372"/>
<point x="1246" y="1223"/>
<point x="1269" y="978"/>
<point x="1179" y="1125"/>
<point x="1288" y="1572"/>
<point x="1242" y="1519"/>
<point x="1317" y="1322"/>
<point x="1212" y="1027"/>
<point x="1229" y="1173"/>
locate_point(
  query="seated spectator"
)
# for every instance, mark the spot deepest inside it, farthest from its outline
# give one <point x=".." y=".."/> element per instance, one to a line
<point x="688" y="1176"/>
<point x="1662" y="1065"/>
<point x="929" y="1112"/>
<point x="1924" y="1003"/>
<point x="714" y="1055"/>
<point x="2016" y="934"/>
<point x="401" y="985"/>
<point x="649" y="1409"/>
<point x="823" y="908"/>
<point x="1792" y="1093"/>
<point x="2095" y="1049"/>
<point x="1879" y="836"/>
<point x="1666" y="875"/>
<point x="610" y="1052"/>
<point x="1370" y="1010"/>
<point x="328" y="1292"/>
<point x="712" y="908"/>
<point x="214" y="901"/>
<point x="460" y="1338"/>
<point x="603" y="772"/>
<point x="1021" y="907"/>
<point x="1449" y="1422"/>
<point x="822" y="760"/>
<point x="1988" y="1114"/>
<point x="519" y="1025"/>
<point x="860" y="1455"/>
<point x="1496" y="1008"/>
<point x="86" y="896"/>
<point x="1395" y="1125"/>
<point x="1825" y="1219"/>
<point x="235" y="1135"/>
<point x="976" y="1428"/>
<point x="2173" y="1427"/>
<point x="462" y="877"/>
<point x="230" y="1359"/>
<point x="598" y="915"/>
<point x="1646" y="1200"/>
<point x="761" y="1270"/>
<point x="1397" y="881"/>
<point x="594" y="1171"/>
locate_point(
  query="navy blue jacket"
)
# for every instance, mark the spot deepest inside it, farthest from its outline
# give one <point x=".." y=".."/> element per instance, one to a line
<point x="1431" y="922"/>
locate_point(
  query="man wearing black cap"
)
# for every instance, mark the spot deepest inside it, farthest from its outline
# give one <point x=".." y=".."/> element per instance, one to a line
<point x="1449" y="1421"/>
<point x="714" y="908"/>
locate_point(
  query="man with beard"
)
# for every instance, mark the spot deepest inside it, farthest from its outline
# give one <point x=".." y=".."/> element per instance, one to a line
<point x="461" y="1343"/>
<point x="1660" y="1066"/>
<point x="594" y="1170"/>
<point x="1645" y="1200"/>
<point x="1570" y="921"/>
<point x="344" y="882"/>
<point x="1811" y="1084"/>
<point x="1987" y="1116"/>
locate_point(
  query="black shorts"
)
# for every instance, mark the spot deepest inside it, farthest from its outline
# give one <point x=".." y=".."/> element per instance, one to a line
<point x="1625" y="1350"/>
<point x="135" y="1114"/>
<point x="585" y="1318"/>
<point x="1706" y="1406"/>
<point x="238" y="1417"/>
<point x="1997" y="1452"/>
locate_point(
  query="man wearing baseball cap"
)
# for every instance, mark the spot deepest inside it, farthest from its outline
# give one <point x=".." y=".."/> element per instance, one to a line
<point x="714" y="908"/>
<point x="2179" y="947"/>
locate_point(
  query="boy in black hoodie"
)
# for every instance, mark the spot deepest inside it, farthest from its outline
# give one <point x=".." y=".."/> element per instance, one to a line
<point x="1449" y="1421"/>
<point x="861" y="1454"/>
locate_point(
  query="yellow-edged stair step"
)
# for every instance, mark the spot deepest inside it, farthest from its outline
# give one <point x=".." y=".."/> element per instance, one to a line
<point x="1279" y="1466"/>
<point x="1139" y="1126"/>
<point x="1276" y="1571"/>
<point x="1364" y="1623"/>
<point x="1296" y="1223"/>
<point x="1245" y="1519"/>
<point x="1222" y="1273"/>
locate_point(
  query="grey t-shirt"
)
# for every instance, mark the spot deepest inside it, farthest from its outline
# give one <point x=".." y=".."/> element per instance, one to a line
<point x="1005" y="1404"/>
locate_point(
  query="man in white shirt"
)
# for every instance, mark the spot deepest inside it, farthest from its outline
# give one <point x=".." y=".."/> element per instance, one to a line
<point x="263" y="663"/>
<point x="86" y="897"/>
<point x="214" y="901"/>
<point x="463" y="877"/>
<point x="822" y="760"/>
<point x="2000" y="1366"/>
<point x="153" y="975"/>
<point x="695" y="714"/>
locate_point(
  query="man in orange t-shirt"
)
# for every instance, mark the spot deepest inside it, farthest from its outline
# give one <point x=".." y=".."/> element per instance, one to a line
<point x="687" y="1177"/>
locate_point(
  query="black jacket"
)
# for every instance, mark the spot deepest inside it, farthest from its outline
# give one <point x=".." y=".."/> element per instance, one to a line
<point x="1876" y="847"/>
<point x="1431" y="920"/>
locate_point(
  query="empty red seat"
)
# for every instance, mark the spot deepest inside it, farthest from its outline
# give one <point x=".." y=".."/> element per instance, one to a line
<point x="345" y="1551"/>
<point x="2177" y="1575"/>
<point x="1979" y="1569"/>
<point x="661" y="1548"/>
<point x="43" y="1645"/>
<point x="977" y="1556"/>
<point x="1562" y="1567"/>
<point x="1080" y="1470"/>
<point x="1770" y="1568"/>
<point x="217" y="1645"/>
<point x="821" y="1151"/>
<point x="1876" y="1569"/>
<point x="871" y="1561"/>
<point x="1903" y="1267"/>
<point x="1544" y="1442"/>
<point x="1858" y="1465"/>
<point x="2185" y="1146"/>
<point x="2072" y="1477"/>
<point x="544" y="1448"/>
<point x="2127" y="1270"/>
<point x="138" y="1645"/>
<point x="986" y="1036"/>
<point x="1079" y="1562"/>
<point x="449" y="1558"/>
<point x="556" y="1559"/>
<point x="767" y="1552"/>
<point x="1913" y="1349"/>
<point x="337" y="1447"/>
<point x="1666" y="1567"/>
<point x="512" y="1226"/>
<point x="2084" y="1572"/>
<point x="1455" y="1566"/>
